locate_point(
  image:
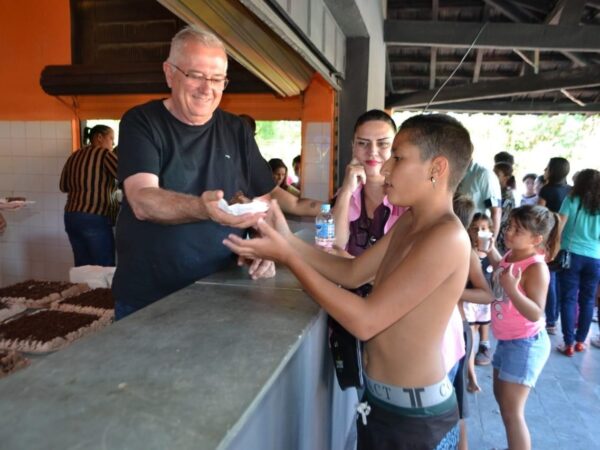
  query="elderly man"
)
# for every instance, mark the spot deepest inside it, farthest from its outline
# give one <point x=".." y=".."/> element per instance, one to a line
<point x="177" y="158"/>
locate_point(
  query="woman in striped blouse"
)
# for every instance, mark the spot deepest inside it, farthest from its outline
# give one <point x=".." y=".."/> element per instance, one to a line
<point x="89" y="179"/>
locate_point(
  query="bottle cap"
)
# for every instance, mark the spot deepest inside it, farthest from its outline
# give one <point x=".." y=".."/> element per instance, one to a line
<point x="325" y="208"/>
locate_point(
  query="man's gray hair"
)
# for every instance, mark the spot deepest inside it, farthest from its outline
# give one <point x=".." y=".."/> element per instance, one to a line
<point x="196" y="34"/>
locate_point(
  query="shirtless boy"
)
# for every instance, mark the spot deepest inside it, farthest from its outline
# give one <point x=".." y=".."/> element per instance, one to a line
<point x="419" y="270"/>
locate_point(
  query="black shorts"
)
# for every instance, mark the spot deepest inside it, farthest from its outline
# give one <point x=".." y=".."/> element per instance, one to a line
<point x="388" y="430"/>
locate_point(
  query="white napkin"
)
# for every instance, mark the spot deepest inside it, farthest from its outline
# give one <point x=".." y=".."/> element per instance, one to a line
<point x="237" y="209"/>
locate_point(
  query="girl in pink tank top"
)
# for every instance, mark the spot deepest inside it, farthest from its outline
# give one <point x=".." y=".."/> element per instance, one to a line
<point x="520" y="284"/>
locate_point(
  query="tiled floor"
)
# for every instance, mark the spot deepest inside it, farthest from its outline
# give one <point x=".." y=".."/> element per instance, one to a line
<point x="563" y="411"/>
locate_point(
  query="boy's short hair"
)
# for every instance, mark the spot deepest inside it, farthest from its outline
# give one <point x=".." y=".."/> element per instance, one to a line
<point x="504" y="157"/>
<point x="464" y="207"/>
<point x="441" y="135"/>
<point x="529" y="176"/>
<point x="558" y="169"/>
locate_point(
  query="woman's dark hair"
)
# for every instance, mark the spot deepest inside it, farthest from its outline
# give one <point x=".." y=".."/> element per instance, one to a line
<point x="277" y="163"/>
<point x="463" y="207"/>
<point x="90" y="133"/>
<point x="587" y="188"/>
<point x="375" y="115"/>
<point x="507" y="171"/>
<point x="558" y="169"/>
<point x="539" y="220"/>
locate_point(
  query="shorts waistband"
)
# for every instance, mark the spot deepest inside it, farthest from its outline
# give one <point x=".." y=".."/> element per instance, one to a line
<point x="410" y="398"/>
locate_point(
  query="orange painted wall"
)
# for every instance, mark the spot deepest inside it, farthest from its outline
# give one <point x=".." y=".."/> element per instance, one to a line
<point x="37" y="33"/>
<point x="33" y="34"/>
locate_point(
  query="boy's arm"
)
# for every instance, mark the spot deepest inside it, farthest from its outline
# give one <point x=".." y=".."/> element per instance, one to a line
<point x="348" y="272"/>
<point x="535" y="282"/>
<point x="480" y="292"/>
<point x="422" y="270"/>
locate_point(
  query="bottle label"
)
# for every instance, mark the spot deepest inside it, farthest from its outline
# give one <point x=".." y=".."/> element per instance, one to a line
<point x="325" y="230"/>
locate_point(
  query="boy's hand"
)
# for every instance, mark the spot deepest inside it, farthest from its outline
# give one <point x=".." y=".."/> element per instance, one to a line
<point x="276" y="219"/>
<point x="272" y="245"/>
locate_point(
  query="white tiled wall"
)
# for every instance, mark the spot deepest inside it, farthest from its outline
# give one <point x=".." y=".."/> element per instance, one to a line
<point x="316" y="156"/>
<point x="34" y="244"/>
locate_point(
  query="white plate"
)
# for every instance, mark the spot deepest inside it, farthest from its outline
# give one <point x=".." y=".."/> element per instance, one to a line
<point x="15" y="203"/>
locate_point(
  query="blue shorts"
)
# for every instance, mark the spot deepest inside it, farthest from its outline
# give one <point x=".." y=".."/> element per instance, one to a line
<point x="521" y="361"/>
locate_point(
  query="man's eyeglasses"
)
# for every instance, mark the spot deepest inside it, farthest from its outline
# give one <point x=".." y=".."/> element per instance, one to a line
<point x="197" y="79"/>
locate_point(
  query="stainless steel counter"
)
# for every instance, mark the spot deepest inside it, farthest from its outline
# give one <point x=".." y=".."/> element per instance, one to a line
<point x="227" y="363"/>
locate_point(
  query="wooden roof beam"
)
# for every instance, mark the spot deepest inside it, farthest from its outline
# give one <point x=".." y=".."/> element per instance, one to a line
<point x="512" y="11"/>
<point x="495" y="35"/>
<point x="518" y="107"/>
<point x="528" y="84"/>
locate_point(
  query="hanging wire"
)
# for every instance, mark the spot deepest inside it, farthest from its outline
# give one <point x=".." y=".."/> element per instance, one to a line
<point x="457" y="67"/>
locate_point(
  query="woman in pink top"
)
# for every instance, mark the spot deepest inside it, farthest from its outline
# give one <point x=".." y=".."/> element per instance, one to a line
<point x="361" y="210"/>
<point x="520" y="284"/>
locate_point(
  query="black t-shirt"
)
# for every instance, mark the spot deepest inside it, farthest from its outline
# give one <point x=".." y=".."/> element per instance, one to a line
<point x="155" y="260"/>
<point x="554" y="194"/>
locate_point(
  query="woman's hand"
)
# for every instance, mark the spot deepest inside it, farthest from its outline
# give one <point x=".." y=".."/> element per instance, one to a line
<point x="355" y="175"/>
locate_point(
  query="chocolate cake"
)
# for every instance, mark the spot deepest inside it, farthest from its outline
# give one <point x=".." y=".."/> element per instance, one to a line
<point x="39" y="294"/>
<point x="10" y="308"/>
<point x="47" y="330"/>
<point x="97" y="301"/>
<point x="10" y="362"/>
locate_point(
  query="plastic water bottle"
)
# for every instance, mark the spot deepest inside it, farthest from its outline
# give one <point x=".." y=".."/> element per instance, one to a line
<point x="325" y="228"/>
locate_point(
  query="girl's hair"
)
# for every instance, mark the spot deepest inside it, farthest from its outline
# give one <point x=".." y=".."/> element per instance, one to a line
<point x="463" y="207"/>
<point x="507" y="171"/>
<point x="277" y="163"/>
<point x="558" y="169"/>
<point x="481" y="216"/>
<point x="91" y="133"/>
<point x="374" y="115"/>
<point x="441" y="135"/>
<point x="539" y="220"/>
<point x="587" y="188"/>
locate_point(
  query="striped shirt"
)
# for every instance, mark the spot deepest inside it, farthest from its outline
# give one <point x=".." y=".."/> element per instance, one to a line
<point x="89" y="178"/>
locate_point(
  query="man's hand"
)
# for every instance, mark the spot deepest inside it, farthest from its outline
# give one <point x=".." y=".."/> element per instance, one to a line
<point x="210" y="200"/>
